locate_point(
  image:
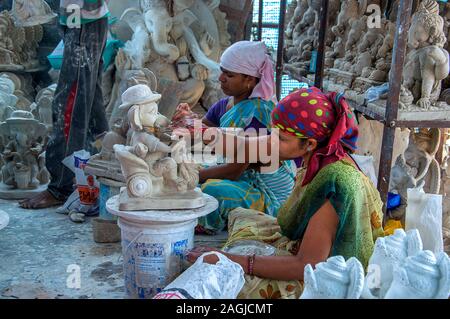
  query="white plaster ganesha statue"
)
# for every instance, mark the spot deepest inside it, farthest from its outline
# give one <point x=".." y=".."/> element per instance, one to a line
<point x="427" y="64"/>
<point x="350" y="11"/>
<point x="154" y="179"/>
<point x="23" y="158"/>
<point x="423" y="276"/>
<point x="389" y="252"/>
<point x="32" y="12"/>
<point x="18" y="45"/>
<point x="334" y="279"/>
<point x="185" y="39"/>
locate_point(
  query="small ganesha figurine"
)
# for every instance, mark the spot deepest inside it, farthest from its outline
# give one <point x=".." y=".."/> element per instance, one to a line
<point x="427" y="64"/>
<point x="334" y="279"/>
<point x="423" y="276"/>
<point x="388" y="253"/>
<point x="159" y="175"/>
<point x="32" y="12"/>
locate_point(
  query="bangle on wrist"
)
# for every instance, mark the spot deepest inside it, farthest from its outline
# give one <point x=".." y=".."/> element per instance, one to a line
<point x="250" y="264"/>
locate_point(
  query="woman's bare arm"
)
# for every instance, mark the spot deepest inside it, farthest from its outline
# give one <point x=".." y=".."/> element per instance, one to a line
<point x="315" y="247"/>
<point x="231" y="171"/>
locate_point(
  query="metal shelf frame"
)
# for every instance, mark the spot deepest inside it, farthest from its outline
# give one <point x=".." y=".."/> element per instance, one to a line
<point x="390" y="118"/>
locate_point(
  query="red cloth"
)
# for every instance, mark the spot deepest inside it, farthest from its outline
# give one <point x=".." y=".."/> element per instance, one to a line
<point x="309" y="113"/>
<point x="69" y="110"/>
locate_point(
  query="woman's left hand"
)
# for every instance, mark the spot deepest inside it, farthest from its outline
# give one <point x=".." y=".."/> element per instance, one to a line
<point x="196" y="252"/>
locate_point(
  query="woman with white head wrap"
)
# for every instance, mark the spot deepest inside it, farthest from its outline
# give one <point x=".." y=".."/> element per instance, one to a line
<point x="248" y="80"/>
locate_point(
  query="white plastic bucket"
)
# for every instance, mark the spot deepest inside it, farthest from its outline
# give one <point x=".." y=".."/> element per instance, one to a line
<point x="153" y="254"/>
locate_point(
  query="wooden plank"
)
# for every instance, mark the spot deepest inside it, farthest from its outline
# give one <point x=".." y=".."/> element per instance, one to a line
<point x="423" y="124"/>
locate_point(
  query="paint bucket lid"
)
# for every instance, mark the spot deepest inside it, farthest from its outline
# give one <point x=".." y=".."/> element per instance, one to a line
<point x="4" y="219"/>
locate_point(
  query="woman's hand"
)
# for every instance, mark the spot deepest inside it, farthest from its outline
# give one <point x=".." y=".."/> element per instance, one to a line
<point x="196" y="252"/>
<point x="183" y="110"/>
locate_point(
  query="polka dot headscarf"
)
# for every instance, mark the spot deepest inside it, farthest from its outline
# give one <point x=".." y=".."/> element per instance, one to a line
<point x="309" y="113"/>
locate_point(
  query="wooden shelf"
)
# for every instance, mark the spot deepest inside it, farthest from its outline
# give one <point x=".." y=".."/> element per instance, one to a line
<point x="366" y="110"/>
<point x="420" y="119"/>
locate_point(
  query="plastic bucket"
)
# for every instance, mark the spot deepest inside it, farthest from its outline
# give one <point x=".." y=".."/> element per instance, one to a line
<point x="153" y="254"/>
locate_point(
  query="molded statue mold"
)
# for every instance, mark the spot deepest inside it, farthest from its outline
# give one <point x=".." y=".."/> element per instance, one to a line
<point x="422" y="276"/>
<point x="334" y="279"/>
<point x="389" y="252"/>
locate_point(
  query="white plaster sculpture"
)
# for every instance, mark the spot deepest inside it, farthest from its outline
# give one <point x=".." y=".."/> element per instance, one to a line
<point x="296" y="10"/>
<point x="32" y="12"/>
<point x="417" y="167"/>
<point x="23" y="168"/>
<point x="428" y="62"/>
<point x="179" y="32"/>
<point x="302" y="34"/>
<point x="125" y="78"/>
<point x="334" y="279"/>
<point x="43" y="106"/>
<point x="446" y="16"/>
<point x="350" y="10"/>
<point x="422" y="276"/>
<point x="420" y="157"/>
<point x="154" y="179"/>
<point x="105" y="163"/>
<point x="9" y="58"/>
<point x="8" y="100"/>
<point x="18" y="45"/>
<point x="388" y="253"/>
<point x="379" y="72"/>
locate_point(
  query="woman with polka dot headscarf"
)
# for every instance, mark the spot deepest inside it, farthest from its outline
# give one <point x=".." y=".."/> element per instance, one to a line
<point x="334" y="208"/>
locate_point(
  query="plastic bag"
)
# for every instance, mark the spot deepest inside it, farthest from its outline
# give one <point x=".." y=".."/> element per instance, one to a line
<point x="375" y="92"/>
<point x="224" y="280"/>
<point x="85" y="198"/>
<point x="424" y="213"/>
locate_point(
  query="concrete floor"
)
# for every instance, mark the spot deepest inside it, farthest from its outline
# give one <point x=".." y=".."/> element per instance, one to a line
<point x="40" y="251"/>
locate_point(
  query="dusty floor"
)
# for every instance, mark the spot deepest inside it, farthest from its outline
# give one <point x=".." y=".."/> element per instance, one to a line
<point x="42" y="251"/>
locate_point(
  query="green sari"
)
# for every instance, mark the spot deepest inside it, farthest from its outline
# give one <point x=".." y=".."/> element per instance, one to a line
<point x="357" y="204"/>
